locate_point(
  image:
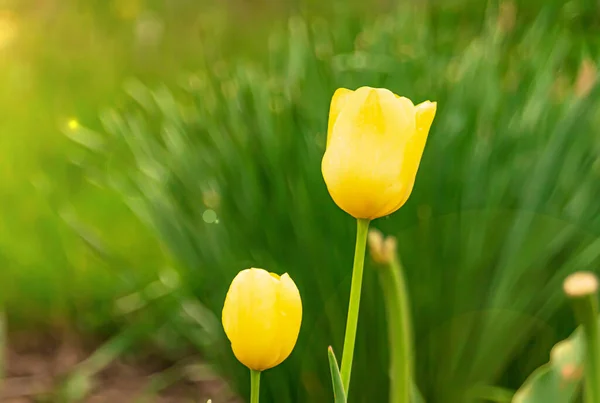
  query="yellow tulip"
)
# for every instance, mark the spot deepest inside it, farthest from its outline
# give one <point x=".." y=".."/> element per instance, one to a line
<point x="375" y="141"/>
<point x="261" y="317"/>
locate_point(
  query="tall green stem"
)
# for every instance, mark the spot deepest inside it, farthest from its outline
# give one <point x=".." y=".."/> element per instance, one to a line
<point x="254" y="386"/>
<point x="399" y="330"/>
<point x="354" y="305"/>
<point x="582" y="288"/>
<point x="590" y="326"/>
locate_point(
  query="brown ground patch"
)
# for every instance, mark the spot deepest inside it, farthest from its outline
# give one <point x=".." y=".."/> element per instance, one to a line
<point x="36" y="366"/>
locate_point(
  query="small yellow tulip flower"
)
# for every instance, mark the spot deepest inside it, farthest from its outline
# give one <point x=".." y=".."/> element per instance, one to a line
<point x="375" y="141"/>
<point x="261" y="317"/>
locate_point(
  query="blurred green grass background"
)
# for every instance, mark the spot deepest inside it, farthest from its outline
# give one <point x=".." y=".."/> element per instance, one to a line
<point x="147" y="138"/>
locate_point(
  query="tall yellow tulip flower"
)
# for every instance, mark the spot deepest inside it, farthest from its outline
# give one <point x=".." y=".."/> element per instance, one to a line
<point x="375" y="141"/>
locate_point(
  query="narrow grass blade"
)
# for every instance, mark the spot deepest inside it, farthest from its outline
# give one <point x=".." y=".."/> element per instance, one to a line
<point x="415" y="394"/>
<point x="338" y="390"/>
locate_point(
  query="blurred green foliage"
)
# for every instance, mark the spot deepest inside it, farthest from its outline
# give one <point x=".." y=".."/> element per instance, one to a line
<point x="213" y="156"/>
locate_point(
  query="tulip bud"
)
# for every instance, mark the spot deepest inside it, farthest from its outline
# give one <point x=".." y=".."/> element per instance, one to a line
<point x="383" y="250"/>
<point x="375" y="140"/>
<point x="261" y="317"/>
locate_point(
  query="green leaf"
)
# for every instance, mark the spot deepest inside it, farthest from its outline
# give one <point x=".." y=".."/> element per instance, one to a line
<point x="559" y="380"/>
<point x="415" y="394"/>
<point x="490" y="393"/>
<point x="338" y="390"/>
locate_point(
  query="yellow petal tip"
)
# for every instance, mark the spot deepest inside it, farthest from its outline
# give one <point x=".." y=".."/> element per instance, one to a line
<point x="341" y="91"/>
<point x="425" y="113"/>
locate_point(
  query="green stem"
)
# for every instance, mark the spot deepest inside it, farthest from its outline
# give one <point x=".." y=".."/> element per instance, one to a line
<point x="254" y="386"/>
<point x="587" y="312"/>
<point x="354" y="305"/>
<point x="585" y="306"/>
<point x="399" y="330"/>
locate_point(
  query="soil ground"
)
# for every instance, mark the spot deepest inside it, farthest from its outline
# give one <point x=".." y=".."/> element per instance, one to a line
<point x="36" y="366"/>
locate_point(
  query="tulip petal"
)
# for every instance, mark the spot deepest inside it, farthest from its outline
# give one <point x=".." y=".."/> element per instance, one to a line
<point x="425" y="114"/>
<point x="289" y="306"/>
<point x="406" y="106"/>
<point x="338" y="101"/>
<point x="372" y="111"/>
<point x="363" y="162"/>
<point x="249" y="319"/>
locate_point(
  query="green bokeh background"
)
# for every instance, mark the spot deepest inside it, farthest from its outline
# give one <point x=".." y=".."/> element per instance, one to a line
<point x="190" y="109"/>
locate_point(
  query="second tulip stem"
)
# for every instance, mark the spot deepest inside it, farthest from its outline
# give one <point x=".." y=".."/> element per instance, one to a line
<point x="354" y="305"/>
<point x="254" y="386"/>
<point x="397" y="308"/>
<point x="395" y="294"/>
<point x="582" y="289"/>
